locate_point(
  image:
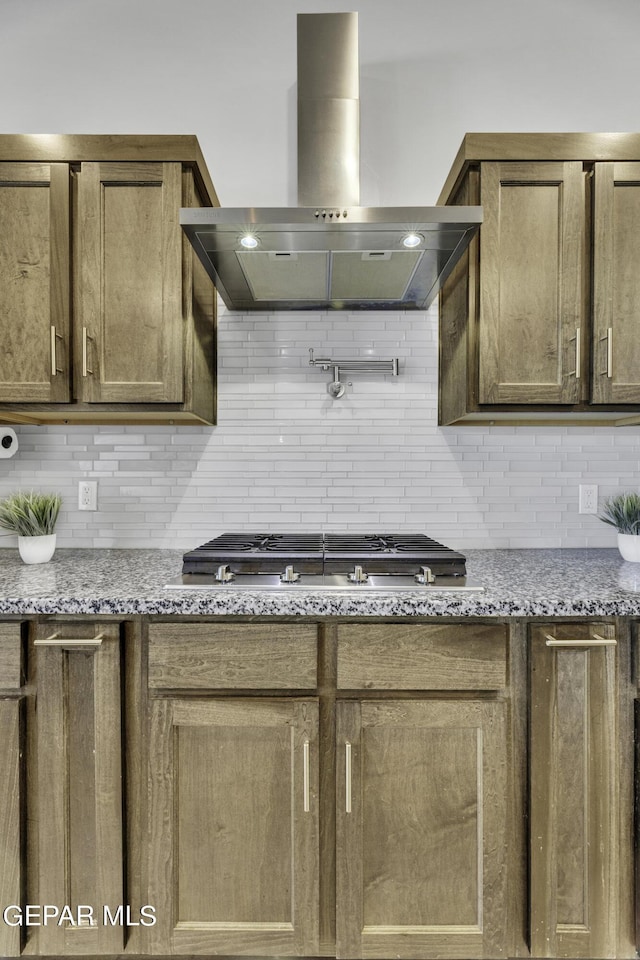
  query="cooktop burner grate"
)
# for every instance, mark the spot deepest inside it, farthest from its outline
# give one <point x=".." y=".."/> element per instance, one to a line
<point x="324" y="553"/>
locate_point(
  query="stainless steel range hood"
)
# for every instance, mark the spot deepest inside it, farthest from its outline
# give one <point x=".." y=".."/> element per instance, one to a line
<point x="329" y="253"/>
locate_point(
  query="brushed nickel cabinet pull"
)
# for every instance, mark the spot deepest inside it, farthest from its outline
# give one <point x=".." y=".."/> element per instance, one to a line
<point x="347" y="774"/>
<point x="305" y="776"/>
<point x="577" y="353"/>
<point x="54" y="365"/>
<point x="595" y="641"/>
<point x="610" y="352"/>
<point x="84" y="351"/>
<point x="55" y="640"/>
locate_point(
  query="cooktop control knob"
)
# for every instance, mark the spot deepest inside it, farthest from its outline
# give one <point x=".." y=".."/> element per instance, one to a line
<point x="289" y="575"/>
<point x="425" y="575"/>
<point x="358" y="575"/>
<point x="224" y="575"/>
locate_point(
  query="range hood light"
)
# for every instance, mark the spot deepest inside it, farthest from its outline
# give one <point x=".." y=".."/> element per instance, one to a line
<point x="249" y="242"/>
<point x="412" y="240"/>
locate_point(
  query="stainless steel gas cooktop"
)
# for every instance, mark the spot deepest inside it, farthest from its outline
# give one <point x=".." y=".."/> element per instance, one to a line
<point x="272" y="561"/>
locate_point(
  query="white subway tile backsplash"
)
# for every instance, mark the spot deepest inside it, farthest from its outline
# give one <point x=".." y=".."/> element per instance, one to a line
<point x="286" y="456"/>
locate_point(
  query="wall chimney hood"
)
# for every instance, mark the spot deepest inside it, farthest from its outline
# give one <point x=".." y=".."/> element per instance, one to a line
<point x="329" y="252"/>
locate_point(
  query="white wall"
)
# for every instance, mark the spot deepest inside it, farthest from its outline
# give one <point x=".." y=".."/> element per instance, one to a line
<point x="284" y="455"/>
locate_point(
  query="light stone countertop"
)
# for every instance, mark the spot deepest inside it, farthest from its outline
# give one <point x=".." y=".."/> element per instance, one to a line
<point x="520" y="583"/>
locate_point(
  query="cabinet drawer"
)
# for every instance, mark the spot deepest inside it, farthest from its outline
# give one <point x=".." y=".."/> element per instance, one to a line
<point x="422" y="657"/>
<point x="10" y="656"/>
<point x="232" y="656"/>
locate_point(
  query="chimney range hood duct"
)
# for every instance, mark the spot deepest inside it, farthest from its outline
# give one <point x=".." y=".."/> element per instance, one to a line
<point x="329" y="252"/>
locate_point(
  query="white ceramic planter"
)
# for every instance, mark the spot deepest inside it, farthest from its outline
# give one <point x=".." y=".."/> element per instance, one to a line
<point x="629" y="547"/>
<point x="37" y="549"/>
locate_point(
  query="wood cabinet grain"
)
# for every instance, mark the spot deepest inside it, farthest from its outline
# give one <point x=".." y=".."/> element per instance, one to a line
<point x="106" y="315"/>
<point x="539" y="321"/>
<point x="77" y="773"/>
<point x="430" y="657"/>
<point x="234" y="826"/>
<point x="35" y="282"/>
<point x="421" y="838"/>
<point x="575" y="804"/>
<point x="12" y="865"/>
<point x="392" y="805"/>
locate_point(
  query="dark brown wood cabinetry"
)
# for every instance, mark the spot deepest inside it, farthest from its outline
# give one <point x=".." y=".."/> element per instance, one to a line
<point x="580" y="797"/>
<point x="539" y="320"/>
<point x="387" y="788"/>
<point x="106" y="315"/>
<point x="12" y="786"/>
<point x="76" y="782"/>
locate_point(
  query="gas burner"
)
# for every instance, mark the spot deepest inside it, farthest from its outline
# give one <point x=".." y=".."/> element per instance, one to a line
<point x="289" y="554"/>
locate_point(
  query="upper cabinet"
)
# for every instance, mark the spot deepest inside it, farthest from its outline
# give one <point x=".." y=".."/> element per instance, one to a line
<point x="106" y="314"/>
<point x="539" y="321"/>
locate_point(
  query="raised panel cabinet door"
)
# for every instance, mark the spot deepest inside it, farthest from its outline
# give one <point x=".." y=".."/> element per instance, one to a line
<point x="574" y="792"/>
<point x="35" y="282"/>
<point x="12" y="875"/>
<point x="616" y="283"/>
<point x="233" y="834"/>
<point x="78" y="778"/>
<point x="421" y="829"/>
<point x="129" y="323"/>
<point x="531" y="326"/>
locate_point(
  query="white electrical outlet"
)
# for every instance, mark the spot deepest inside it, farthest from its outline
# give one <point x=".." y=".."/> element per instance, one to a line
<point x="88" y="495"/>
<point x="588" y="498"/>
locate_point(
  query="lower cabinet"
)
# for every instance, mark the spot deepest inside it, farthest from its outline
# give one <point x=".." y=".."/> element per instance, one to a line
<point x="76" y="788"/>
<point x="233" y="826"/>
<point x="422" y="867"/>
<point x="579" y="805"/>
<point x="382" y="789"/>
<point x="12" y="789"/>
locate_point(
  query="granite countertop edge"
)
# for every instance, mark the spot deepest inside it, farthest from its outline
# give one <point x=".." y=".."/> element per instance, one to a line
<point x="585" y="582"/>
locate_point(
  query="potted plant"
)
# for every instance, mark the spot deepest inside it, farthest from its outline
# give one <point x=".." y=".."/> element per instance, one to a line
<point x="623" y="513"/>
<point x="33" y="517"/>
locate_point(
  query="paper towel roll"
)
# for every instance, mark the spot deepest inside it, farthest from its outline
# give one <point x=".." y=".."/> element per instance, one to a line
<point x="8" y="442"/>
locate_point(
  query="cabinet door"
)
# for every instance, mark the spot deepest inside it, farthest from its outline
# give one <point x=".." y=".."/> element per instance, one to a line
<point x="234" y="827"/>
<point x="574" y="792"/>
<point x="421" y="829"/>
<point x="532" y="276"/>
<point x="11" y="801"/>
<point x="34" y="282"/>
<point x="616" y="283"/>
<point x="79" y="785"/>
<point x="129" y="329"/>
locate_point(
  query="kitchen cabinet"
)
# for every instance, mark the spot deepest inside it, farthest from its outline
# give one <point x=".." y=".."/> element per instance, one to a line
<point x="233" y="811"/>
<point x="12" y="874"/>
<point x="423" y="793"/>
<point x="75" y="799"/>
<point x="539" y="320"/>
<point x="411" y="816"/>
<point x="35" y="281"/>
<point x="422" y="866"/>
<point x="616" y="286"/>
<point x="412" y="788"/>
<point x="579" y="796"/>
<point x="107" y="315"/>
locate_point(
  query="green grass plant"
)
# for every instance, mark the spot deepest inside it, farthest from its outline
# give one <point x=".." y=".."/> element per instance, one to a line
<point x="623" y="513"/>
<point x="30" y="514"/>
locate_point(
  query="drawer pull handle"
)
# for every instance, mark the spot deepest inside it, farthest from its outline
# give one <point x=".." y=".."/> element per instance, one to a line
<point x="595" y="641"/>
<point x="347" y="775"/>
<point x="305" y="777"/>
<point x="610" y="352"/>
<point x="84" y="351"/>
<point x="577" y="353"/>
<point x="54" y="365"/>
<point x="55" y="640"/>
